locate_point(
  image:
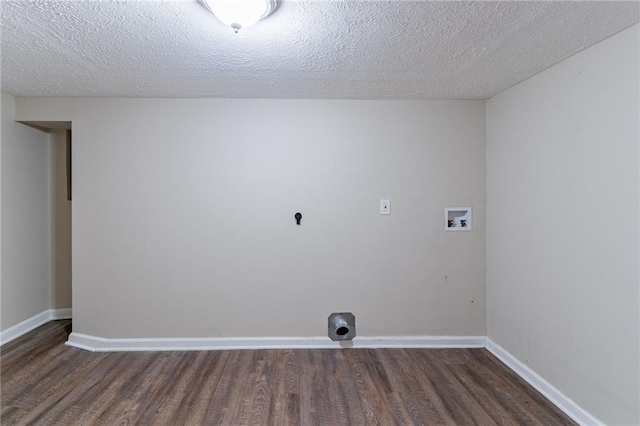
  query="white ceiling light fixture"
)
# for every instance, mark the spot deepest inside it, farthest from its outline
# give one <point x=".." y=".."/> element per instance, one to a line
<point x="240" y="13"/>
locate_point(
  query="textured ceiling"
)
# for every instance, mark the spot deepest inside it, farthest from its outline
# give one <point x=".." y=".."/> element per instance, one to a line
<point x="306" y="49"/>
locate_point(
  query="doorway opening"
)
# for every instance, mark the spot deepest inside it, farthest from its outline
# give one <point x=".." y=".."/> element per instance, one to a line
<point x="60" y="195"/>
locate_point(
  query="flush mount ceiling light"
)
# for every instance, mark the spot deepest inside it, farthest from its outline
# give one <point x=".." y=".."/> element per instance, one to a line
<point x="240" y="13"/>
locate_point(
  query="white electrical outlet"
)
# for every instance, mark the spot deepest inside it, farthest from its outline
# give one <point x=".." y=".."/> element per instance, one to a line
<point x="385" y="207"/>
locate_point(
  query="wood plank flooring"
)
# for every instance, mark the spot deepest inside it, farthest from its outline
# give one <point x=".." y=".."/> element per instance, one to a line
<point x="45" y="382"/>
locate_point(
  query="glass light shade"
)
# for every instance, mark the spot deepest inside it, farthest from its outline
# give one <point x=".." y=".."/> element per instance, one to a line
<point x="240" y="13"/>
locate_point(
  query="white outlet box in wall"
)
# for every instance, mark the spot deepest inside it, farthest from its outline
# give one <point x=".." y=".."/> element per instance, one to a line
<point x="458" y="219"/>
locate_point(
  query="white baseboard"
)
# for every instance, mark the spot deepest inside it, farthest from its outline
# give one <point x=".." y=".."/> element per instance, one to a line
<point x="24" y="327"/>
<point x="570" y="408"/>
<point x="35" y="321"/>
<point x="100" y="344"/>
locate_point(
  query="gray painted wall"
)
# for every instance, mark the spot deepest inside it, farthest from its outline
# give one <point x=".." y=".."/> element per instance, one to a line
<point x="26" y="248"/>
<point x="183" y="215"/>
<point x="562" y="229"/>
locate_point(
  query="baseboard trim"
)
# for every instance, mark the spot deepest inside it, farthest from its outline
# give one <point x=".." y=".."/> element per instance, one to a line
<point x="35" y="321"/>
<point x="564" y="403"/>
<point x="25" y="326"/>
<point x="100" y="344"/>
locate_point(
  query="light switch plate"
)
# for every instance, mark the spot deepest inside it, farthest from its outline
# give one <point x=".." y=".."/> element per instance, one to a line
<point x="385" y="207"/>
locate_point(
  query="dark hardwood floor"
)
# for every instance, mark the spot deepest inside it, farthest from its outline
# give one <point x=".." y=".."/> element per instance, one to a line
<point x="45" y="382"/>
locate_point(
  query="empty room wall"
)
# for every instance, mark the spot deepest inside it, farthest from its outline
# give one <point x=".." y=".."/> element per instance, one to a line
<point x="25" y="282"/>
<point x="562" y="228"/>
<point x="183" y="215"/>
